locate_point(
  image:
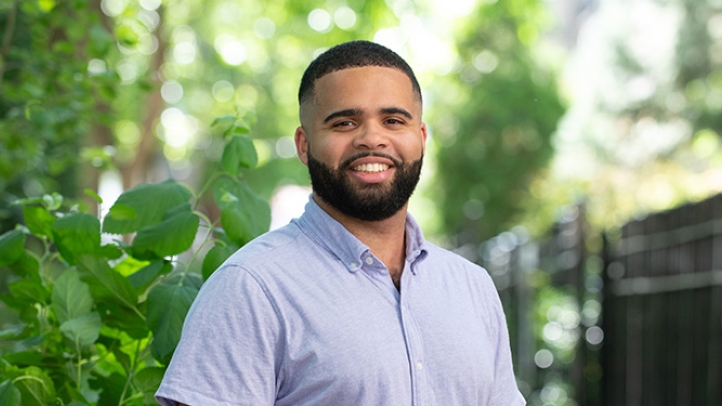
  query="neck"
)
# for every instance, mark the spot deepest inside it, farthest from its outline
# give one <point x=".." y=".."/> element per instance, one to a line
<point x="385" y="238"/>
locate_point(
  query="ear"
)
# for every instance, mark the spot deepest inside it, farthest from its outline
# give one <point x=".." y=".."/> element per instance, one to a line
<point x="301" y="140"/>
<point x="424" y="135"/>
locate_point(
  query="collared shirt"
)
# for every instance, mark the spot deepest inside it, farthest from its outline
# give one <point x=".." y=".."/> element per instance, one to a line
<point x="307" y="315"/>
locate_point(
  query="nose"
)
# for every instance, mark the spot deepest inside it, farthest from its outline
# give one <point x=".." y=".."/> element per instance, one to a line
<point x="371" y="136"/>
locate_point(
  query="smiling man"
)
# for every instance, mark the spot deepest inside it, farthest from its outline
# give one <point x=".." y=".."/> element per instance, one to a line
<point x="349" y="304"/>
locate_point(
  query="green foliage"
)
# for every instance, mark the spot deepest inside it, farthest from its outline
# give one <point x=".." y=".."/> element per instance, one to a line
<point x="49" y="99"/>
<point x="97" y="324"/>
<point x="504" y="115"/>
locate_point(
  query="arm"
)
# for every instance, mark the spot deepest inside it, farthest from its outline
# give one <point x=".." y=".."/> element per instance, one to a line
<point x="228" y="348"/>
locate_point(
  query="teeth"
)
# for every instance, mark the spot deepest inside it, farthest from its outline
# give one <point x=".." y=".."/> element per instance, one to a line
<point x="371" y="168"/>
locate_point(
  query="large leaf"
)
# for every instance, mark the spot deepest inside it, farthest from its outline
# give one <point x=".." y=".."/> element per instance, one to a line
<point x="143" y="206"/>
<point x="35" y="386"/>
<point x="174" y="235"/>
<point x="11" y="246"/>
<point x="71" y="296"/>
<point x="82" y="330"/>
<point x="76" y="234"/>
<point x="106" y="283"/>
<point x="244" y="215"/>
<point x="9" y="394"/>
<point x="239" y="152"/>
<point x="167" y="309"/>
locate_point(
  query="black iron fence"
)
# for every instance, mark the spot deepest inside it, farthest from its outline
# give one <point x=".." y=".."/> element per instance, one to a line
<point x="663" y="309"/>
<point x="627" y="318"/>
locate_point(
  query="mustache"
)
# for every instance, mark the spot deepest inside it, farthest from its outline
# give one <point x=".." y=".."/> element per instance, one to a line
<point x="360" y="155"/>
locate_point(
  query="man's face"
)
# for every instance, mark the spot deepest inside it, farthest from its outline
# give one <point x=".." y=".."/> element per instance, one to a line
<point x="362" y="138"/>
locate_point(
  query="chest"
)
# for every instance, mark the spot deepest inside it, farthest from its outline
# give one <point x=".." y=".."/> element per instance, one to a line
<point x="357" y="340"/>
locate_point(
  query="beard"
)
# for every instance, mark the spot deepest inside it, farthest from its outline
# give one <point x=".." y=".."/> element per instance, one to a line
<point x="370" y="202"/>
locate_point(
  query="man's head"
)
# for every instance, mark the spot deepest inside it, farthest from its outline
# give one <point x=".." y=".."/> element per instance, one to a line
<point x="361" y="133"/>
<point x="352" y="54"/>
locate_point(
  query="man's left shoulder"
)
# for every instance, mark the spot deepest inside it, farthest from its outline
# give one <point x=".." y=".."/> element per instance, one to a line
<point x="434" y="251"/>
<point x="448" y="259"/>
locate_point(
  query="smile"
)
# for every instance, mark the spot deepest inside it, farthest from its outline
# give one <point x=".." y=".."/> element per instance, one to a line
<point x="371" y="168"/>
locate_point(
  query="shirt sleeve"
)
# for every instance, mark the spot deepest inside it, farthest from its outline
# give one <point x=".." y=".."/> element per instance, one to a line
<point x="506" y="392"/>
<point x="229" y="348"/>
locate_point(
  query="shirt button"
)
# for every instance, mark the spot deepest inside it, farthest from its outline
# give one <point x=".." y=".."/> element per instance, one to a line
<point x="353" y="265"/>
<point x="369" y="260"/>
<point x="419" y="365"/>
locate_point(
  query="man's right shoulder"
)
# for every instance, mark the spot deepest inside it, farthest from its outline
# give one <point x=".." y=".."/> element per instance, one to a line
<point x="280" y="244"/>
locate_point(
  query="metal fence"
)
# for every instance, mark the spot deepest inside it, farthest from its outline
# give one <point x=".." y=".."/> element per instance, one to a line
<point x="648" y="303"/>
<point x="663" y="309"/>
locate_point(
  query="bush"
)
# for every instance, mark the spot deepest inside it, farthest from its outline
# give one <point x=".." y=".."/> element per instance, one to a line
<point x="98" y="323"/>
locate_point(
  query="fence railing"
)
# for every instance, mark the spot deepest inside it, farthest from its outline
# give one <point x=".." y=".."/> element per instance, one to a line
<point x="658" y="283"/>
<point x="663" y="309"/>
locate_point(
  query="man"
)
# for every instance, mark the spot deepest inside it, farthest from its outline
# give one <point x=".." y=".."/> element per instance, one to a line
<point x="348" y="305"/>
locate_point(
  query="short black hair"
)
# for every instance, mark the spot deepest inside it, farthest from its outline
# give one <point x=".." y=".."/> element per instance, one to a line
<point x="353" y="54"/>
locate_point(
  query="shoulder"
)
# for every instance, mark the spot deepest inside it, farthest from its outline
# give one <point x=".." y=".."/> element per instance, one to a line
<point x="277" y="244"/>
<point x="446" y="263"/>
<point x="451" y="259"/>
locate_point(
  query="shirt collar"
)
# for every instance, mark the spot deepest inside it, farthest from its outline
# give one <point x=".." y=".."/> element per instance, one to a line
<point x="333" y="236"/>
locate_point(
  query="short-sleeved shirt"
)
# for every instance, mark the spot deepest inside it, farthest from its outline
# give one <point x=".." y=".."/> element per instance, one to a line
<point x="307" y="315"/>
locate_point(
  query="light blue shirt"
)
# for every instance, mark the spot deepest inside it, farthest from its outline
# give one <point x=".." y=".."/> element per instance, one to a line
<point x="307" y="315"/>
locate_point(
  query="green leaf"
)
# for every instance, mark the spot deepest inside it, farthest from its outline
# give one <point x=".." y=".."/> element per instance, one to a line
<point x="147" y="381"/>
<point x="95" y="196"/>
<point x="110" y="251"/>
<point x="145" y="276"/>
<point x="240" y="129"/>
<point x="71" y="296"/>
<point x="35" y="386"/>
<point x="9" y="394"/>
<point x="122" y="212"/>
<point x="12" y="244"/>
<point x="25" y="265"/>
<point x="129" y="265"/>
<point x="214" y="258"/>
<point x="39" y="220"/>
<point x="123" y="318"/>
<point x="244" y="215"/>
<point x="172" y="236"/>
<point x="239" y="152"/>
<point x="105" y="283"/>
<point x="82" y="330"/>
<point x="28" y="291"/>
<point x="148" y="202"/>
<point x="76" y="234"/>
<point x="167" y="309"/>
<point x="110" y="387"/>
<point x="53" y="201"/>
<point x="24" y="358"/>
<point x="226" y="121"/>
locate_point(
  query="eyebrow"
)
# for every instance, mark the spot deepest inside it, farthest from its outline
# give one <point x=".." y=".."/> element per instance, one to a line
<point x="359" y="112"/>
<point x="343" y="113"/>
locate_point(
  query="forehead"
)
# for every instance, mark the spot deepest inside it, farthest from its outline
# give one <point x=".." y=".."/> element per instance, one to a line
<point x="362" y="87"/>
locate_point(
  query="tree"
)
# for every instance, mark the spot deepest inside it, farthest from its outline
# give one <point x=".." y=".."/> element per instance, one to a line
<point x="496" y="133"/>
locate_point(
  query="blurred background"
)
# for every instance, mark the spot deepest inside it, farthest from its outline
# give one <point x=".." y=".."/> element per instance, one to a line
<point x="574" y="151"/>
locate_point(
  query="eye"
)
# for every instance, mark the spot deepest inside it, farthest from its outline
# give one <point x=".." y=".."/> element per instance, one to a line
<point x="394" y="121"/>
<point x="343" y="124"/>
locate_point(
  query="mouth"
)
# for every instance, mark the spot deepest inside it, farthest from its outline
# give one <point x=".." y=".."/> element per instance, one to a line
<point x="370" y="167"/>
